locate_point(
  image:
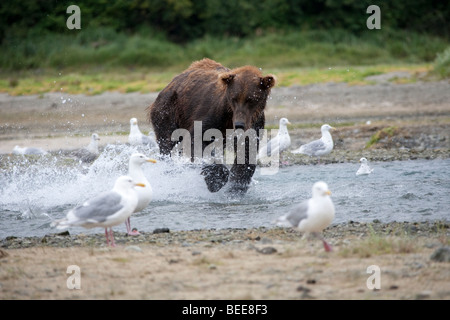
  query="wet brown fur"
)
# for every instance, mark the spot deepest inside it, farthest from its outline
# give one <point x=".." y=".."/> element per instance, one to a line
<point x="219" y="97"/>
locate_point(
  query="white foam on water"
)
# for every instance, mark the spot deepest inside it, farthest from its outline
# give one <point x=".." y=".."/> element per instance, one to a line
<point x="35" y="191"/>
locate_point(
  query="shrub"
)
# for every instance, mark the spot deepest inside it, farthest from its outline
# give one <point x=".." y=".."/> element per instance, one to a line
<point x="442" y="64"/>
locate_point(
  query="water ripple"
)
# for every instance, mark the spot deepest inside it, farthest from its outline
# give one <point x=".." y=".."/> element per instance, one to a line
<point x="33" y="193"/>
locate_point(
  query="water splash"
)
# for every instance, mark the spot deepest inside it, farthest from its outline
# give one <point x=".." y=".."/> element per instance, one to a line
<point x="36" y="190"/>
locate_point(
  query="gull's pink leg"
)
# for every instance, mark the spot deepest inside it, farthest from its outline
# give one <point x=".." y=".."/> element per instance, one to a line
<point x="111" y="234"/>
<point x="130" y="232"/>
<point x="281" y="160"/>
<point x="106" y="236"/>
<point x="326" y="246"/>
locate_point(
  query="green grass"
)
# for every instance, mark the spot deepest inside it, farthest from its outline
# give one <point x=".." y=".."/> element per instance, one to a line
<point x="104" y="60"/>
<point x="310" y="125"/>
<point x="381" y="134"/>
<point x="145" y="80"/>
<point x="86" y="81"/>
<point x="378" y="244"/>
<point x="103" y="48"/>
<point x="442" y="64"/>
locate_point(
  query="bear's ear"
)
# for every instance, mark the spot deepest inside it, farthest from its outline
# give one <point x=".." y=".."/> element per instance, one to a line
<point x="227" y="77"/>
<point x="267" y="82"/>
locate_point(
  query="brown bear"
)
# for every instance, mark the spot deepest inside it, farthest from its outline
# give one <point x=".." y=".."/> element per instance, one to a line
<point x="221" y="99"/>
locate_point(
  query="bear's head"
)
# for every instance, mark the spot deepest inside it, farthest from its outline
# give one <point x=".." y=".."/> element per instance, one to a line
<point x="246" y="91"/>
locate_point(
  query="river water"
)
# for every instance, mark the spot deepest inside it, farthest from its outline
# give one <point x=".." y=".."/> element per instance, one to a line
<point x="35" y="192"/>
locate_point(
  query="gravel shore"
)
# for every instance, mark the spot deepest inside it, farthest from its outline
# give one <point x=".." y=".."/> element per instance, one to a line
<point x="410" y="121"/>
<point x="164" y="236"/>
<point x="412" y="259"/>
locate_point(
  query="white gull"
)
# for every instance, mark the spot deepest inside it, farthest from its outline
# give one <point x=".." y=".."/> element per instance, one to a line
<point x="279" y="143"/>
<point x="144" y="194"/>
<point x="105" y="210"/>
<point x="320" y="147"/>
<point x="313" y="215"/>
<point x="364" y="169"/>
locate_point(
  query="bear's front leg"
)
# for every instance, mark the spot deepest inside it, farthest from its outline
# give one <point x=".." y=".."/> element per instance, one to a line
<point x="240" y="178"/>
<point x="216" y="176"/>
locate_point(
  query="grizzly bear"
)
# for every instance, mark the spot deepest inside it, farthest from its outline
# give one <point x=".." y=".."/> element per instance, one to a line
<point x="221" y="99"/>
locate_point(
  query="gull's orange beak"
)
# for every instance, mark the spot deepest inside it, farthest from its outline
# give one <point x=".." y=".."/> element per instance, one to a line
<point x="140" y="185"/>
<point x="328" y="192"/>
<point x="151" y="160"/>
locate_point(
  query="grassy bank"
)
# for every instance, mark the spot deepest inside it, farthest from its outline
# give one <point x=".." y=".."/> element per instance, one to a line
<point x="92" y="62"/>
<point x="103" y="48"/>
<point x="145" y="80"/>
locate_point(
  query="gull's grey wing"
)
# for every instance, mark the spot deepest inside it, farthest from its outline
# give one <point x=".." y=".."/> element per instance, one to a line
<point x="298" y="213"/>
<point x="313" y="147"/>
<point x="85" y="155"/>
<point x="99" y="208"/>
<point x="272" y="145"/>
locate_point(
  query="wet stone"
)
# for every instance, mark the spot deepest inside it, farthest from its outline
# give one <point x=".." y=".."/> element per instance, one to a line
<point x="267" y="250"/>
<point x="161" y="230"/>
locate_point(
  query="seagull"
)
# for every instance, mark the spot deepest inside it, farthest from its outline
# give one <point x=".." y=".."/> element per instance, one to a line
<point x="280" y="143"/>
<point x="312" y="215"/>
<point x="136" y="137"/>
<point x="105" y="210"/>
<point x="28" y="150"/>
<point x="318" y="148"/>
<point x="364" y="169"/>
<point x="90" y="153"/>
<point x="144" y="194"/>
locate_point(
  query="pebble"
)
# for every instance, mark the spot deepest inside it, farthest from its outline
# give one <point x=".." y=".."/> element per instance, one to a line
<point x="172" y="261"/>
<point x="303" y="289"/>
<point x="266" y="240"/>
<point x="424" y="295"/>
<point x="161" y="230"/>
<point x="133" y="248"/>
<point x="3" y="254"/>
<point x="267" y="250"/>
<point x="393" y="287"/>
<point x="441" y="254"/>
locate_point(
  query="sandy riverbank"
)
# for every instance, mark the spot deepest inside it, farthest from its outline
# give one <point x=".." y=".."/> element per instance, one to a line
<point x="240" y="264"/>
<point x="262" y="263"/>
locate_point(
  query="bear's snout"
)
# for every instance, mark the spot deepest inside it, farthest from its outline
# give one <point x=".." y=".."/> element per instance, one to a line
<point x="239" y="125"/>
